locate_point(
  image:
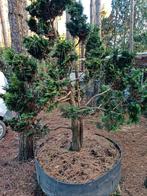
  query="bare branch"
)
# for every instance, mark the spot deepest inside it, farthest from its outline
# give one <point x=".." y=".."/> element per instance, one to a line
<point x="63" y="98"/>
<point x="97" y="95"/>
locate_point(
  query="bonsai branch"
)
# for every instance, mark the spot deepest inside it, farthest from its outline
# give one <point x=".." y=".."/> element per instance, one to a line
<point x="97" y="95"/>
<point x="62" y="99"/>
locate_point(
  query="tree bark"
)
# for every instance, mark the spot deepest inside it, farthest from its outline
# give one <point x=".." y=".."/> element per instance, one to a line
<point x="115" y="31"/>
<point x="77" y="134"/>
<point x="4" y="28"/>
<point x="98" y="16"/>
<point x="18" y="25"/>
<point x="76" y="124"/>
<point x="131" y="40"/>
<point x="92" y="12"/>
<point x="82" y="56"/>
<point x="26" y="148"/>
<point x="68" y="35"/>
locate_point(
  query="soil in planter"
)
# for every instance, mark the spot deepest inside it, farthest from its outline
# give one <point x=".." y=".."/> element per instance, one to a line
<point x="97" y="156"/>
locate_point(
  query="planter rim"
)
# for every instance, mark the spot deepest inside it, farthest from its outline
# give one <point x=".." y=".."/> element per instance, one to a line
<point x="118" y="161"/>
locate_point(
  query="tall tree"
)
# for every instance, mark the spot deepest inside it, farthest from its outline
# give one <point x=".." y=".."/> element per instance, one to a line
<point x="3" y="23"/>
<point x="98" y="15"/>
<point x="140" y="25"/>
<point x="116" y="28"/>
<point x="68" y="35"/>
<point x="131" y="39"/>
<point x="92" y="12"/>
<point x="95" y="14"/>
<point x="18" y="26"/>
<point x="27" y="92"/>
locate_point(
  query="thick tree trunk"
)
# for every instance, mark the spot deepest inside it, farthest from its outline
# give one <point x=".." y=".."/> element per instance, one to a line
<point x="131" y="41"/>
<point x="77" y="134"/>
<point x="92" y="12"/>
<point x="98" y="16"/>
<point x="26" y="148"/>
<point x="3" y="23"/>
<point x="18" y="26"/>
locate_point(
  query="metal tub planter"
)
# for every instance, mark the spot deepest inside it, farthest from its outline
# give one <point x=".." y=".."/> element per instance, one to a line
<point x="104" y="185"/>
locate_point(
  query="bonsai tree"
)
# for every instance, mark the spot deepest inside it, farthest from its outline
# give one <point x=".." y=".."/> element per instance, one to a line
<point x="114" y="102"/>
<point x="46" y="83"/>
<point x="62" y="58"/>
<point x="42" y="22"/>
<point x="28" y="81"/>
<point x="20" y="98"/>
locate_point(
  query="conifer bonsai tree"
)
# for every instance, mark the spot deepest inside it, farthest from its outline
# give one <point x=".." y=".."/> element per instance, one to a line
<point x="29" y="87"/>
<point x="20" y="98"/>
<point x="62" y="58"/>
<point x="46" y="82"/>
<point x="114" y="101"/>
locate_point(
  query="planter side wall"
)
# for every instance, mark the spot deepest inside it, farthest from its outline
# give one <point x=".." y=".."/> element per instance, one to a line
<point x="102" y="186"/>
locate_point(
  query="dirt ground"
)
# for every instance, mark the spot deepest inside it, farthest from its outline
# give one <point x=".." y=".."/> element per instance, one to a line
<point x="20" y="179"/>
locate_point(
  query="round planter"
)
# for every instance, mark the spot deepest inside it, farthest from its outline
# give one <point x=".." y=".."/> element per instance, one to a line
<point x="102" y="186"/>
<point x="2" y="129"/>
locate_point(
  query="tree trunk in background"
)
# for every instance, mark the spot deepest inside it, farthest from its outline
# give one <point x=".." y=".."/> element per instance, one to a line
<point x="98" y="15"/>
<point x="131" y="40"/>
<point x="18" y="25"/>
<point x="115" y="31"/>
<point x="68" y="35"/>
<point x="92" y="12"/>
<point x="4" y="28"/>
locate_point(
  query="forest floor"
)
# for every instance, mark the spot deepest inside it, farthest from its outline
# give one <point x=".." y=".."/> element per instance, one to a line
<point x="19" y="179"/>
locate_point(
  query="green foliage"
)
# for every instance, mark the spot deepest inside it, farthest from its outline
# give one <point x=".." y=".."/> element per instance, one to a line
<point x="95" y="53"/>
<point x="66" y="55"/>
<point x="20" y="95"/>
<point x="36" y="85"/>
<point x="126" y="96"/>
<point x="38" y="47"/>
<point x="23" y="123"/>
<point x="116" y="28"/>
<point x="20" y="82"/>
<point x="113" y="110"/>
<point x="74" y="112"/>
<point x="117" y="69"/>
<point x="78" y="26"/>
<point x="47" y="10"/>
<point x="43" y="14"/>
<point x="134" y="110"/>
<point x="5" y="64"/>
<point x="40" y="27"/>
<point x="47" y="84"/>
<point x="140" y="41"/>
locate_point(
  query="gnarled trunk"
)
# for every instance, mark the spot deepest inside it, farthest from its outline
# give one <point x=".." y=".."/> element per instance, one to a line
<point x="26" y="148"/>
<point x="77" y="134"/>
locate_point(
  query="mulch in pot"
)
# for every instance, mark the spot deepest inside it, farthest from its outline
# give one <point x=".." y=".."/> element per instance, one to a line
<point x="97" y="156"/>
